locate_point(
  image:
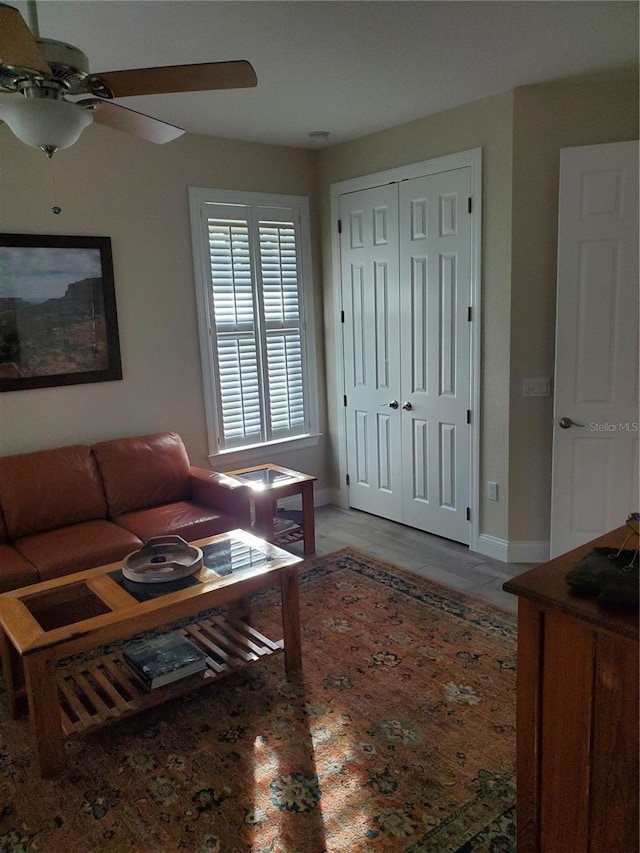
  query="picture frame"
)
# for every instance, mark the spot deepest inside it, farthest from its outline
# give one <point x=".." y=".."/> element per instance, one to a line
<point x="58" y="316"/>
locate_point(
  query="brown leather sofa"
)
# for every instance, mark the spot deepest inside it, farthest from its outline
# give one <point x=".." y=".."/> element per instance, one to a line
<point x="76" y="507"/>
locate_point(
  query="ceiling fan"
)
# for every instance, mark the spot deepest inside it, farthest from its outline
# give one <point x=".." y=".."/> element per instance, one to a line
<point x="52" y="96"/>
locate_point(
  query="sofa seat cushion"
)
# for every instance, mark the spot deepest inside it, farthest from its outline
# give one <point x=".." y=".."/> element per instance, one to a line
<point x="80" y="546"/>
<point x="182" y="518"/>
<point x="15" y="571"/>
<point x="144" y="471"/>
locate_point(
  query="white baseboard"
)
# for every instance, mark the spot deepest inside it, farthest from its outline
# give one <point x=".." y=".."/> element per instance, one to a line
<point x="330" y="496"/>
<point x="489" y="546"/>
<point x="529" y="552"/>
<point x="512" y="551"/>
<point x="320" y="498"/>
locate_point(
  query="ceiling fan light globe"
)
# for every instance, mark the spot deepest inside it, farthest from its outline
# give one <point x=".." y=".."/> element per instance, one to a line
<point x="46" y="124"/>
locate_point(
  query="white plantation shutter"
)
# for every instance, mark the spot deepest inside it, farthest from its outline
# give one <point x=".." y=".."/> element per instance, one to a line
<point x="256" y="325"/>
<point x="281" y="306"/>
<point x="239" y="389"/>
<point x="286" y="395"/>
<point x="232" y="292"/>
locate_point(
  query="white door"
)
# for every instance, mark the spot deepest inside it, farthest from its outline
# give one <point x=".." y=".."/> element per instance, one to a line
<point x="370" y="274"/>
<point x="406" y="278"/>
<point x="435" y="282"/>
<point x="595" y="439"/>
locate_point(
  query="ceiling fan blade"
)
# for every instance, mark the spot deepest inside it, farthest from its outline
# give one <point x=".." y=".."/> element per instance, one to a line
<point x="138" y="124"/>
<point x="18" y="48"/>
<point x="202" y="77"/>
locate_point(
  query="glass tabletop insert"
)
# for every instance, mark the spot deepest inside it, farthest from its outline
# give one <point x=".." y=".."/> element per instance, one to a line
<point x="261" y="477"/>
<point x="232" y="555"/>
<point x="147" y="591"/>
<point x="223" y="558"/>
<point x="66" y="605"/>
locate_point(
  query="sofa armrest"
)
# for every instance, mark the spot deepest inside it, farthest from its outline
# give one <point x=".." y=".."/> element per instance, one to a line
<point x="218" y="491"/>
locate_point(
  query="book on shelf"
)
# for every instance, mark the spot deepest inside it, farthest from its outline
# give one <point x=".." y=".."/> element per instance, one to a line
<point x="165" y="658"/>
<point x="283" y="526"/>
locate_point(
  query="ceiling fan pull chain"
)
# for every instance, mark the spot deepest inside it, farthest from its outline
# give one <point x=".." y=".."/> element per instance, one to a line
<point x="55" y="209"/>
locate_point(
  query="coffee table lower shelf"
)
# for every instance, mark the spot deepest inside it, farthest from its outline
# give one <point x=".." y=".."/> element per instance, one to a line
<point x="93" y="693"/>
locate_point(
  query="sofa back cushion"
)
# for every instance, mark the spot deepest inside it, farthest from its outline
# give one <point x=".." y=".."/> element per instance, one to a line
<point x="142" y="472"/>
<point x="49" y="488"/>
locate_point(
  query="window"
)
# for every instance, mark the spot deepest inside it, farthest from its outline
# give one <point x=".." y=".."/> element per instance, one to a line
<point x="253" y="281"/>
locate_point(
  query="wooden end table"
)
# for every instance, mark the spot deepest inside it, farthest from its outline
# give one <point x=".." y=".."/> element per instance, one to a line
<point x="269" y="483"/>
<point x="46" y="622"/>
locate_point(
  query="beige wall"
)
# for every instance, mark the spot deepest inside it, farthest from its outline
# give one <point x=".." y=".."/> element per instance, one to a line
<point x="521" y="134"/>
<point x="136" y="193"/>
<point x="581" y="111"/>
<point x="486" y="124"/>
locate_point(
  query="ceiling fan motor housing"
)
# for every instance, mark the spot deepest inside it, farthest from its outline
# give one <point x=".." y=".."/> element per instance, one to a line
<point x="65" y="55"/>
<point x="68" y="63"/>
<point x="69" y="68"/>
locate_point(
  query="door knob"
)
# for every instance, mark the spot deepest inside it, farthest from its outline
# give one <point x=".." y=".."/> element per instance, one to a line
<point x="565" y="423"/>
<point x="393" y="404"/>
<point x="407" y="406"/>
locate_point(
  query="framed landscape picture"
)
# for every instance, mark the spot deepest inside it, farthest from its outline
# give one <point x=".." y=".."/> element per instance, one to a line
<point x="58" y="320"/>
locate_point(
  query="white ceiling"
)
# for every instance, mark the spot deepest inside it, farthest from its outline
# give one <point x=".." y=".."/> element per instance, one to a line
<point x="350" y="67"/>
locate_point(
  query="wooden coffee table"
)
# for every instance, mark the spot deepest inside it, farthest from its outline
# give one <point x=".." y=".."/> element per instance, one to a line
<point x="46" y="622"/>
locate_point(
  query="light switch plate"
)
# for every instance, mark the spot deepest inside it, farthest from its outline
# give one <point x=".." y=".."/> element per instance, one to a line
<point x="536" y="387"/>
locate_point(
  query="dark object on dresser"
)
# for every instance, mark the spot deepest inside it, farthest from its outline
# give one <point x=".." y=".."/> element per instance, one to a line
<point x="609" y="574"/>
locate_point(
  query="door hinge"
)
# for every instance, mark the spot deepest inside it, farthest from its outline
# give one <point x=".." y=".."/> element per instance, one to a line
<point x="469" y="204"/>
<point x="468" y="416"/>
<point x="469" y="313"/>
<point x="347" y="479"/>
<point x="339" y="226"/>
<point x="468" y="513"/>
<point x="344" y="400"/>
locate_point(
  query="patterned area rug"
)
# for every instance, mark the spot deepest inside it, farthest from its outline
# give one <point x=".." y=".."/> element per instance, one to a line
<point x="399" y="737"/>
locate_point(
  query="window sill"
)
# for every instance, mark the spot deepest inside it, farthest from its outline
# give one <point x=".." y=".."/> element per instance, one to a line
<point x="260" y="452"/>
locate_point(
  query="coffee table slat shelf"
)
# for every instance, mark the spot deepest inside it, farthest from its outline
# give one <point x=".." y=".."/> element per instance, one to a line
<point x="104" y="689"/>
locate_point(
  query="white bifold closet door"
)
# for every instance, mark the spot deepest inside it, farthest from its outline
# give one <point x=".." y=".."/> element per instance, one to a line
<point x="406" y="284"/>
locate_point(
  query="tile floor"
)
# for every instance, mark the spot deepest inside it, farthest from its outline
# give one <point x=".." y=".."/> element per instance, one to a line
<point x="439" y="559"/>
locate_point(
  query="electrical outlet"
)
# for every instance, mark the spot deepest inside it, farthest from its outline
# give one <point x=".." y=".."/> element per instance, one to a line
<point x="492" y="491"/>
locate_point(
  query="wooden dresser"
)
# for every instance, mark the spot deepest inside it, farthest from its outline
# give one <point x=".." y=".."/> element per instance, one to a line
<point x="577" y="714"/>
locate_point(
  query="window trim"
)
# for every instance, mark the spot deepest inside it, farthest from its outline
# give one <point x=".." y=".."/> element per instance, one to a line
<point x="199" y="197"/>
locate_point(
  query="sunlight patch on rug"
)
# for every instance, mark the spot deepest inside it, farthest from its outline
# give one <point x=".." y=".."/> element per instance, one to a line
<point x="399" y="737"/>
